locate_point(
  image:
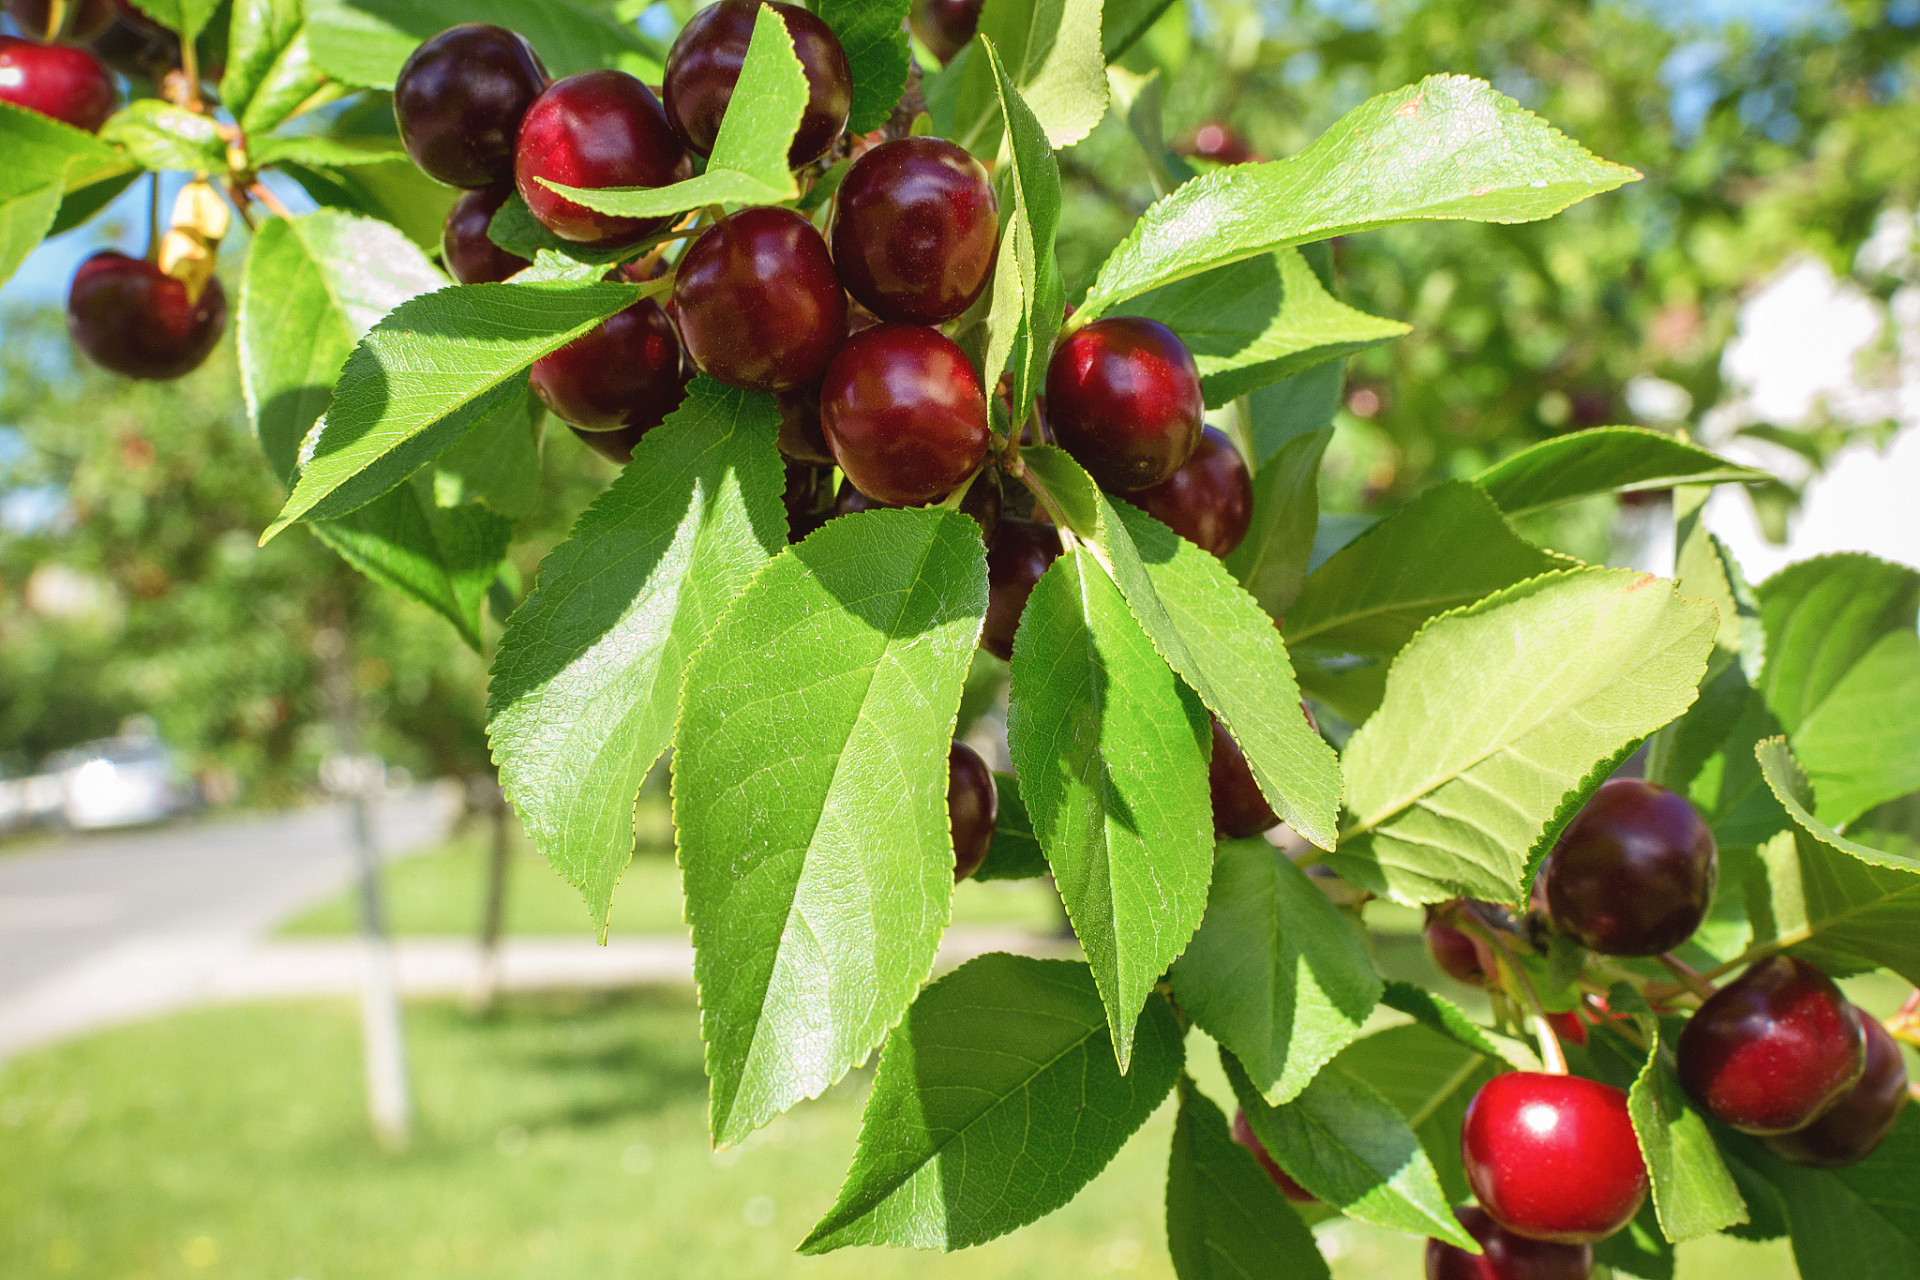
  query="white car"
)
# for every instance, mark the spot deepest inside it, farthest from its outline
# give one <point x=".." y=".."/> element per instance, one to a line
<point x="118" y="782"/>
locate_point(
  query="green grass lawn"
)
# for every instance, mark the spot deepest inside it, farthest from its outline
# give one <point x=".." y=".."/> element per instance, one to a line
<point x="562" y="1139"/>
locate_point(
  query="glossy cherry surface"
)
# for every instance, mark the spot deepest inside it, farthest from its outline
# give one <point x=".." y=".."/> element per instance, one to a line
<point x="459" y="101"/>
<point x="758" y="303"/>
<point x="57" y="81"/>
<point x="1633" y="873"/>
<point x="945" y="26"/>
<point x="1019" y="554"/>
<point x="623" y="372"/>
<point x="1851" y="1128"/>
<point x="1123" y="397"/>
<point x="138" y="322"/>
<point x="1772" y="1049"/>
<point x="1553" y="1157"/>
<point x="1209" y="500"/>
<point x="1456" y="953"/>
<point x="705" y="65"/>
<point x="85" y="19"/>
<point x="915" y="230"/>
<point x="470" y="256"/>
<point x="973" y="806"/>
<point x="1239" y="810"/>
<point x="1505" y="1256"/>
<point x="904" y="413"/>
<point x="801" y="436"/>
<point x="596" y="129"/>
<point x="1244" y="1135"/>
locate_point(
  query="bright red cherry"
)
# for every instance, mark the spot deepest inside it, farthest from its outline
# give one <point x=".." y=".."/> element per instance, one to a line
<point x="1553" y="1157"/>
<point x="973" y="806"/>
<point x="623" y="372"/>
<point x="1851" y="1128"/>
<point x="85" y="19"/>
<point x="705" y="65"/>
<point x="596" y="129"/>
<point x="758" y="303"/>
<point x="801" y="436"/>
<point x="1773" y="1049"/>
<point x="1239" y="810"/>
<point x="57" y="81"/>
<point x="1019" y="554"/>
<point x="1633" y="873"/>
<point x="459" y="101"/>
<point x="1505" y="1255"/>
<point x="945" y="26"/>
<point x="915" y="230"/>
<point x="1244" y="1135"/>
<point x="137" y="321"/>
<point x="470" y="256"/>
<point x="1456" y="952"/>
<point x="904" y="413"/>
<point x="1219" y="143"/>
<point x="1209" y="501"/>
<point x="1123" y="397"/>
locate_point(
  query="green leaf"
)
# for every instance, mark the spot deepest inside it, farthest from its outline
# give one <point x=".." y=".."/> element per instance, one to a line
<point x="1862" y="1222"/>
<point x="1015" y="853"/>
<point x="159" y="135"/>
<point x="1448" y="147"/>
<point x="1343" y="1141"/>
<point x="1051" y="51"/>
<point x="873" y="33"/>
<point x="1256" y="321"/>
<point x="816" y="919"/>
<point x="394" y="191"/>
<point x="1429" y="1077"/>
<point x="365" y="42"/>
<point x="1296" y="406"/>
<point x="1111" y="752"/>
<point x="270" y="70"/>
<point x="1276" y="974"/>
<point x="1122" y="22"/>
<point x="1225" y="1218"/>
<point x="25" y="218"/>
<point x="187" y="17"/>
<point x="325" y="153"/>
<point x="1637" y="1249"/>
<point x="1440" y="1014"/>
<point x="586" y="686"/>
<point x="1140" y="99"/>
<point x="1861" y="745"/>
<point x="424" y="375"/>
<point x="497" y="464"/>
<point x="749" y="161"/>
<point x="1821" y="616"/>
<point x="515" y="229"/>
<point x="995" y="1102"/>
<point x="1271" y="562"/>
<point x="1693" y="1192"/>
<point x="1496" y="712"/>
<point x="1604" y="460"/>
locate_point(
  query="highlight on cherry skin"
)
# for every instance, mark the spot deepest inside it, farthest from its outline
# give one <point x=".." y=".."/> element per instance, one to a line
<point x="1633" y="873"/>
<point x="1505" y="1255"/>
<point x="1849" y="1130"/>
<point x="57" y="81"/>
<point x="1553" y="1157"/>
<point x="704" y="66"/>
<point x="459" y="100"/>
<point x="1123" y="397"/>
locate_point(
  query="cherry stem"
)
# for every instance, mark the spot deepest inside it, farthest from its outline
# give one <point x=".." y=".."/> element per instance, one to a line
<point x="1551" y="1055"/>
<point x="1688" y="975"/>
<point x="190" y="68"/>
<point x="1017" y="468"/>
<point x="153" y="217"/>
<point x="57" y="14"/>
<point x="259" y="192"/>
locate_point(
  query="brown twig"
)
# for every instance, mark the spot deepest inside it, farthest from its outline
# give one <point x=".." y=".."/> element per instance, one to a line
<point x="259" y="192"/>
<point x="1690" y="977"/>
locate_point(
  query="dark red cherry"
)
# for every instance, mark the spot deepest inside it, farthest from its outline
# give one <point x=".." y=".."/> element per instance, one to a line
<point x="1019" y="554"/>
<point x="1209" y="501"/>
<point x="805" y="496"/>
<point x="57" y="81"/>
<point x="470" y="256"/>
<point x="85" y="19"/>
<point x="1505" y="1256"/>
<point x="1219" y="143"/>
<point x="1239" y="810"/>
<point x="136" y="48"/>
<point x="1852" y="1127"/>
<point x="1553" y="1157"/>
<point x="945" y="26"/>
<point x="1123" y="397"/>
<point x="1244" y="1135"/>
<point x="705" y="65"/>
<point x="973" y="806"/>
<point x="758" y="303"/>
<point x="623" y="372"/>
<point x="596" y="129"/>
<point x="136" y="321"/>
<point x="614" y="446"/>
<point x="1773" y="1049"/>
<point x="904" y="413"/>
<point x="1633" y="873"/>
<point x="915" y="230"/>
<point x="459" y="101"/>
<point x="801" y="436"/>
<point x="1456" y="952"/>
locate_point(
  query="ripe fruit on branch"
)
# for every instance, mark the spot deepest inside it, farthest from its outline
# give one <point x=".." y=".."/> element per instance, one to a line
<point x="973" y="806"/>
<point x="705" y="65"/>
<point x="916" y="230"/>
<point x="1553" y="1157"/>
<point x="758" y="304"/>
<point x="1244" y="1135"/>
<point x="1017" y="557"/>
<point x="1239" y="810"/>
<point x="1505" y="1256"/>
<point x="1123" y="397"/>
<point x="1456" y="952"/>
<point x="85" y="19"/>
<point x="1219" y="143"/>
<point x="57" y="81"/>
<point x="135" y="320"/>
<point x="904" y="413"/>
<point x="1851" y="1128"/>
<point x="470" y="256"/>
<point x="1633" y="873"/>
<point x="1773" y="1049"/>
<point x="596" y="129"/>
<point x="801" y="436"/>
<point x="459" y="101"/>
<point x="1209" y="500"/>
<point x="945" y="26"/>
<point x="623" y="372"/>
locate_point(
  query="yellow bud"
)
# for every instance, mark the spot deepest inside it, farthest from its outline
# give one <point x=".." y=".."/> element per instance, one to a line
<point x="199" y="208"/>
